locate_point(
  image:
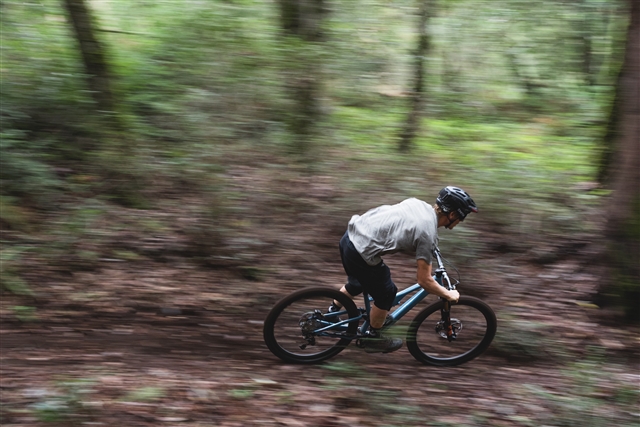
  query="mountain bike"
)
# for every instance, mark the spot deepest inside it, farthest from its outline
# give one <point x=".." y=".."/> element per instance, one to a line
<point x="300" y="329"/>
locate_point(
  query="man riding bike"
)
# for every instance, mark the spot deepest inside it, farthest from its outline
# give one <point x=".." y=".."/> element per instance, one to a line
<point x="410" y="226"/>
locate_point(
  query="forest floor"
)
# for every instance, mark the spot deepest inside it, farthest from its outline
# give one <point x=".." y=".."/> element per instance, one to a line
<point x="154" y="338"/>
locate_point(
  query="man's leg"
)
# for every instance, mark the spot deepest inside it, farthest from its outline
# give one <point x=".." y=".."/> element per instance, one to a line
<point x="347" y="253"/>
<point x="377" y="317"/>
<point x="383" y="291"/>
<point x="375" y="340"/>
<point x="380" y="287"/>
<point x="346" y="292"/>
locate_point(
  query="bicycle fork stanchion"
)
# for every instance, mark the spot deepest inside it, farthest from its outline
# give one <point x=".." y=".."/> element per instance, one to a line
<point x="445" y="314"/>
<point x="443" y="279"/>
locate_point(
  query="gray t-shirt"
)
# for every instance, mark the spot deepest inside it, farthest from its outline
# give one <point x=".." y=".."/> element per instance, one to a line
<point x="410" y="226"/>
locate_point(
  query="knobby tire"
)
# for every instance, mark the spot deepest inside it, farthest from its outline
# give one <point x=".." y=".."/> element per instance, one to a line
<point x="272" y="329"/>
<point x="419" y="347"/>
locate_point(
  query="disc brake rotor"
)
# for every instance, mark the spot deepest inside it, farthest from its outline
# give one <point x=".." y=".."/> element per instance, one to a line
<point x="456" y="325"/>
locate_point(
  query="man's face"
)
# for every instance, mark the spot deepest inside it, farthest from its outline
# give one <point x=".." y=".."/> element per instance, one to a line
<point x="454" y="219"/>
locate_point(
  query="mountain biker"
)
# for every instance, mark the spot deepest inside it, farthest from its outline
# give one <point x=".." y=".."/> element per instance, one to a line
<point x="410" y="226"/>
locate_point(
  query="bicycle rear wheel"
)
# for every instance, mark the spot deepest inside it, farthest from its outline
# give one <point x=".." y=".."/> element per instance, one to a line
<point x="473" y="321"/>
<point x="289" y="327"/>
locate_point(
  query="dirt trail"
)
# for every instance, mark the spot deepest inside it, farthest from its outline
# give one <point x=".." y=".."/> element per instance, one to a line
<point x="144" y="355"/>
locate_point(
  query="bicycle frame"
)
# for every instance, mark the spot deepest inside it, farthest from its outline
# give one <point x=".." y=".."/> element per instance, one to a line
<point x="440" y="276"/>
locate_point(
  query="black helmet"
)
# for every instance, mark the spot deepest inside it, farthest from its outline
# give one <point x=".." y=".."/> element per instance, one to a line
<point x="454" y="199"/>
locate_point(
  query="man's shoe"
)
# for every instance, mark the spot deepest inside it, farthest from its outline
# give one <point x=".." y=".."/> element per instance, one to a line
<point x="333" y="308"/>
<point x="381" y="344"/>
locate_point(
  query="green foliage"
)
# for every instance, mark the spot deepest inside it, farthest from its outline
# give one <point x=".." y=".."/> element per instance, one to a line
<point x="344" y="369"/>
<point x="202" y="73"/>
<point x="65" y="403"/>
<point x="248" y="390"/>
<point x="13" y="215"/>
<point x="25" y="313"/>
<point x="522" y="340"/>
<point x="40" y="70"/>
<point x="24" y="173"/>
<point x="512" y="110"/>
<point x="512" y="169"/>
<point x="10" y="279"/>
<point x="591" y="389"/>
<point x="241" y="393"/>
<point x="144" y="394"/>
<point x="357" y="388"/>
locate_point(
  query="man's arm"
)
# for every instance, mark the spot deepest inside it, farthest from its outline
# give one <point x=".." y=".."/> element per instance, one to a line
<point x="430" y="285"/>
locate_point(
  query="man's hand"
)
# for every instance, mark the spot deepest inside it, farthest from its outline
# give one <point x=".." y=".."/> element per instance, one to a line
<point x="430" y="285"/>
<point x="453" y="296"/>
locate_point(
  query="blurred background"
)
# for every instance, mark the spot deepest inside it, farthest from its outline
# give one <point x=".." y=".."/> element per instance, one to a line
<point x="169" y="170"/>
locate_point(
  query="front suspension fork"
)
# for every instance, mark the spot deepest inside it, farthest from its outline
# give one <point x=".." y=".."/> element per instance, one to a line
<point x="445" y="313"/>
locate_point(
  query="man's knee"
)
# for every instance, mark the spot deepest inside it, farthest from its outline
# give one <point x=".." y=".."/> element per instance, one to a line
<point x="385" y="300"/>
<point x="353" y="288"/>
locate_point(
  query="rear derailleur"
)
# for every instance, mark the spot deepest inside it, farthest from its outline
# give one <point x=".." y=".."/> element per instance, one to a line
<point x="309" y="323"/>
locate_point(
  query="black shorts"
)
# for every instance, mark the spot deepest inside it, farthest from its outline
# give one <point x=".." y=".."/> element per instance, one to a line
<point x="374" y="280"/>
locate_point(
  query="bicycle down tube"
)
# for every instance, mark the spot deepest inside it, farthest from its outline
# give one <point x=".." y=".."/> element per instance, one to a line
<point x="440" y="276"/>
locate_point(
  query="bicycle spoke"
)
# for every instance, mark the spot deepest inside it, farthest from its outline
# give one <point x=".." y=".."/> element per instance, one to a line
<point x="300" y="328"/>
<point x="473" y="324"/>
<point x="469" y="327"/>
<point x="295" y="325"/>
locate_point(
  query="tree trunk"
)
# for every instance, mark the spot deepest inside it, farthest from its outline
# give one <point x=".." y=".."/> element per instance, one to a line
<point x="412" y="125"/>
<point x="93" y="55"/>
<point x="303" y="19"/>
<point x="606" y="167"/>
<point x="623" y="211"/>
<point x="607" y="148"/>
<point x="587" y="60"/>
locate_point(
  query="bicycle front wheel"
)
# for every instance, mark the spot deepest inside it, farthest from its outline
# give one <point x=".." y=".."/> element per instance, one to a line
<point x="474" y="324"/>
<point x="298" y="328"/>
